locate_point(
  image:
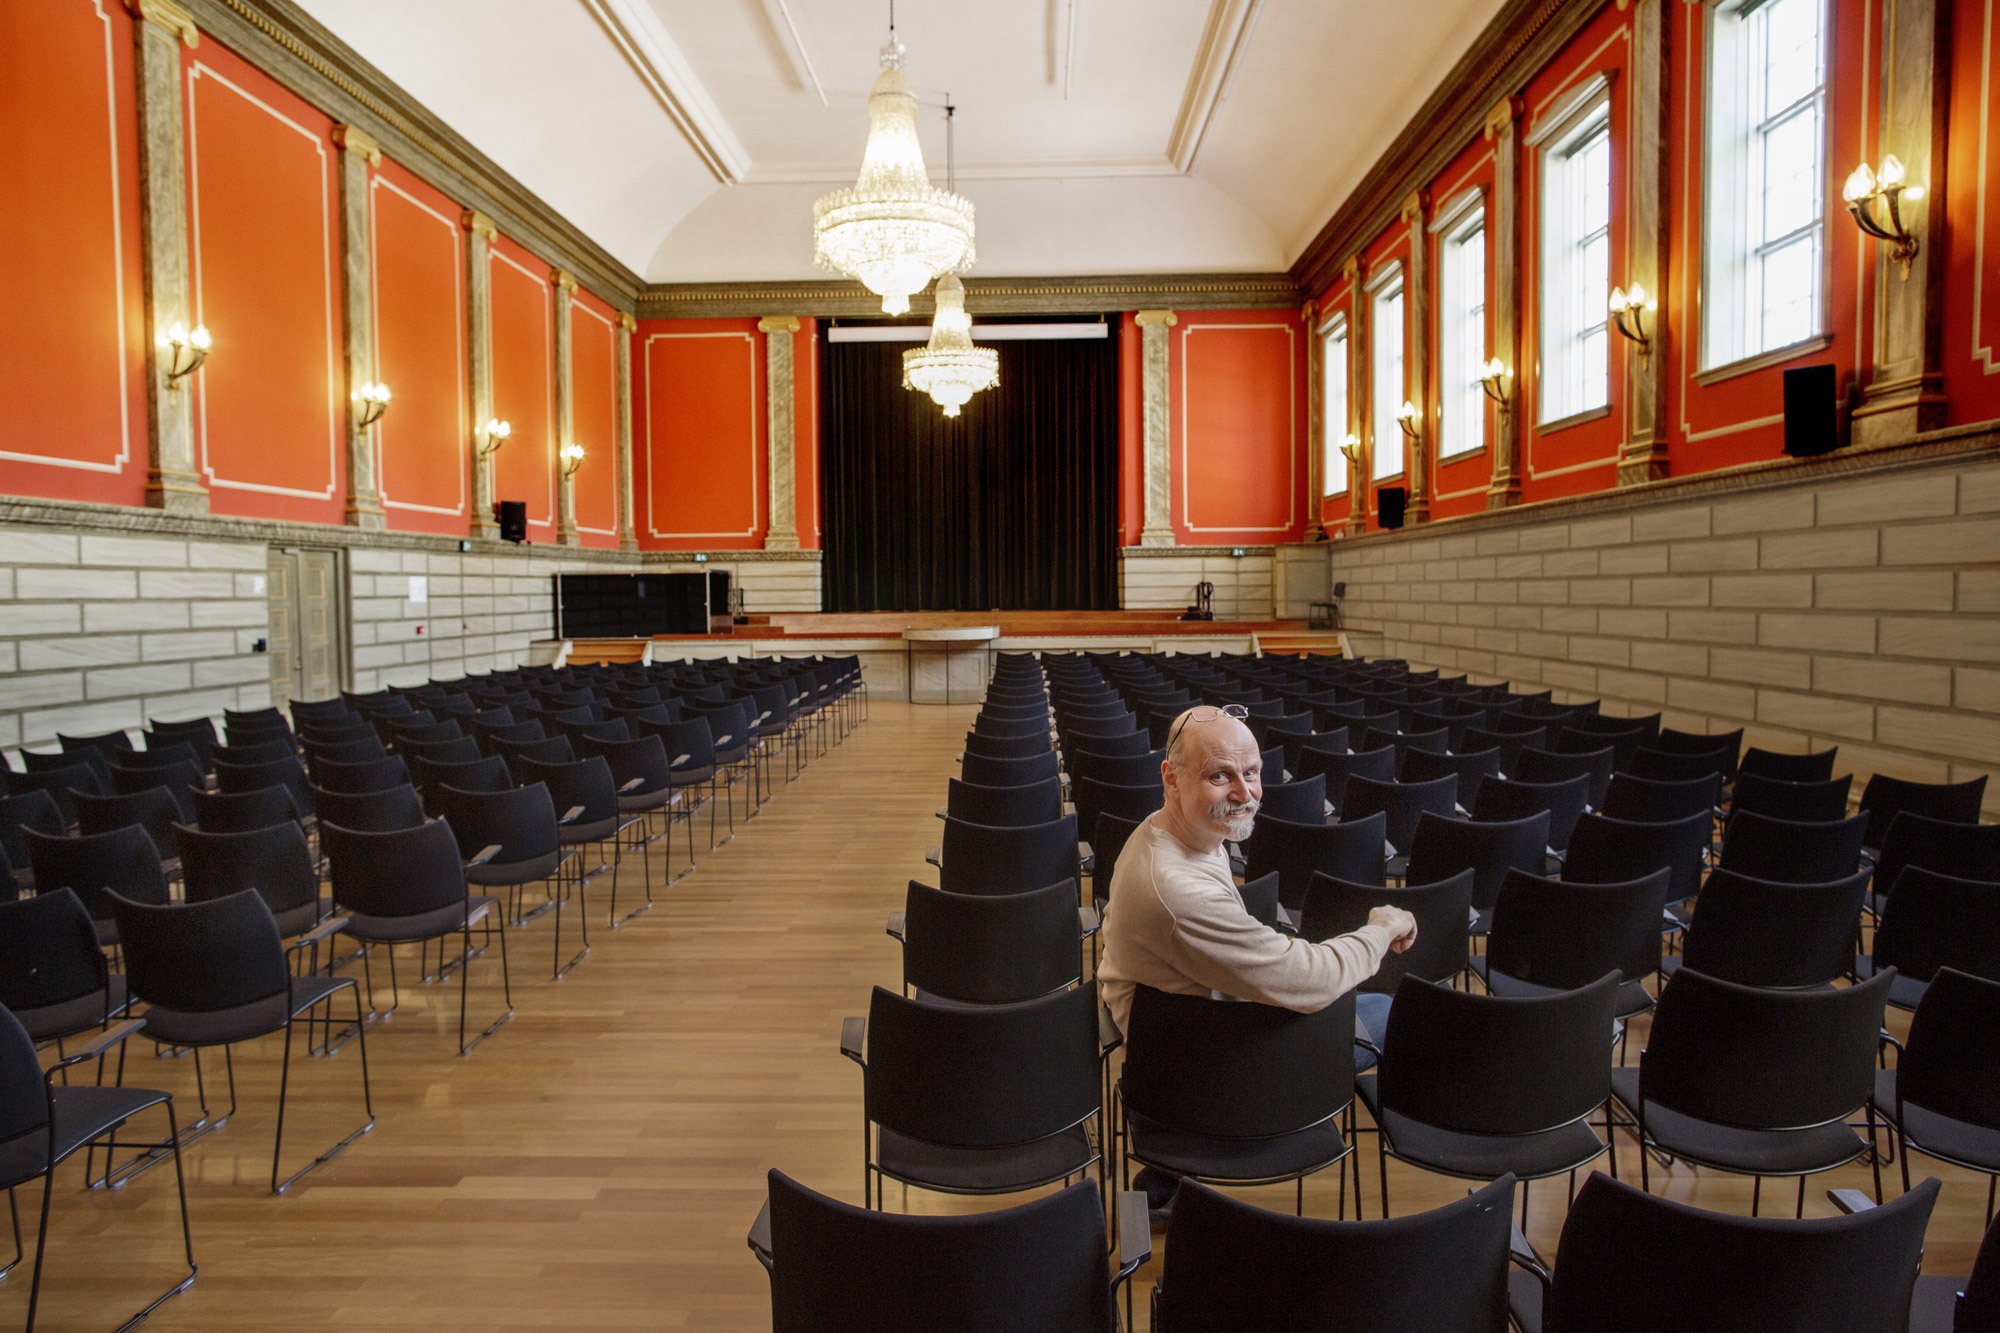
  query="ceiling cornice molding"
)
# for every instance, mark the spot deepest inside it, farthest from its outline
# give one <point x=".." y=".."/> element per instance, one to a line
<point x="635" y="29"/>
<point x="989" y="296"/>
<point x="1222" y="41"/>
<point x="1521" y="38"/>
<point x="288" y="44"/>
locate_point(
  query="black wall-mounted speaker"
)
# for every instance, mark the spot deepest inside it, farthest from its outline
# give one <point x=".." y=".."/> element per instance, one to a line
<point x="1811" y="421"/>
<point x="1389" y="504"/>
<point x="513" y="517"/>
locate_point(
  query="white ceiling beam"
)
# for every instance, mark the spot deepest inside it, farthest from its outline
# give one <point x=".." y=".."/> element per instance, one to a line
<point x="780" y="15"/>
<point x="639" y="35"/>
<point x="1222" y="41"/>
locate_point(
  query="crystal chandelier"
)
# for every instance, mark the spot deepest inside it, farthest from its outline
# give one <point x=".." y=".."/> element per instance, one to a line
<point x="949" y="368"/>
<point x="892" y="230"/>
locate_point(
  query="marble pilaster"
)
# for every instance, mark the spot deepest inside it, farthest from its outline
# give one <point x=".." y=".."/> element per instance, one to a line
<point x="627" y="536"/>
<point x="480" y="234"/>
<point x="565" y="292"/>
<point x="1416" y="370"/>
<point x="1154" y="395"/>
<point x="781" y="532"/>
<point x="1503" y="127"/>
<point x="1643" y="457"/>
<point x="358" y="152"/>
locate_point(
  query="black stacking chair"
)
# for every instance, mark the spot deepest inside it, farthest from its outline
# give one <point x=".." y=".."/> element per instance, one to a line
<point x="93" y="866"/>
<point x="371" y="812"/>
<point x="53" y="976"/>
<point x="236" y="812"/>
<point x="1816" y="766"/>
<point x="1042" y="1265"/>
<point x="62" y="761"/>
<point x="525" y="827"/>
<point x="1403" y="802"/>
<point x="455" y="750"/>
<point x="1233" y="1265"/>
<point x="688" y="751"/>
<point x="153" y="810"/>
<point x="1005" y="747"/>
<point x="1437" y="740"/>
<point x="587" y="795"/>
<point x="978" y="1099"/>
<point x="1942" y="1098"/>
<point x="1300" y="802"/>
<point x="986" y="948"/>
<point x="1551" y="935"/>
<point x="1806" y="802"/>
<point x="1334" y="907"/>
<point x="1676" y="766"/>
<point x="362" y="776"/>
<point x="108" y="743"/>
<point x="1243" y="1094"/>
<point x="1488" y="851"/>
<point x="1631" y="1261"/>
<point x="273" y="862"/>
<point x="288" y="772"/>
<point x="1502" y="800"/>
<point x="35" y="810"/>
<point x="1765" y="848"/>
<point x="1350" y="850"/>
<point x="1885" y="797"/>
<point x="1470" y="768"/>
<point x="1093" y="798"/>
<point x="199" y="733"/>
<point x="1934" y="921"/>
<point x="546" y="750"/>
<point x="1545" y="766"/>
<point x="1603" y="850"/>
<point x="216" y="973"/>
<point x="1964" y="851"/>
<point x="1727" y="744"/>
<point x="1375" y="765"/>
<point x="180" y="782"/>
<point x="1004" y="807"/>
<point x="1752" y="1081"/>
<point x="57" y="783"/>
<point x="1477" y="1086"/>
<point x="981" y="858"/>
<point x="43" y="1123"/>
<point x="1124" y="770"/>
<point x="255" y="751"/>
<point x="1007" y="728"/>
<point x="1509" y="743"/>
<point x="407" y="887"/>
<point x="1776" y="934"/>
<point x="990" y="772"/>
<point x="1108" y="838"/>
<point x="1653" y="800"/>
<point x="158" y="756"/>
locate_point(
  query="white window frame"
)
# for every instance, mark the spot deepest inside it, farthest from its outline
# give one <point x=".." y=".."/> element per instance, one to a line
<point x="1569" y="387"/>
<point x="1462" y="404"/>
<point x="1387" y="371"/>
<point x="1737" y="331"/>
<point x="1335" y="373"/>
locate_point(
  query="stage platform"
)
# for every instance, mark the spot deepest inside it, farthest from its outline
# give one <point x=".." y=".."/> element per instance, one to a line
<point x="940" y="656"/>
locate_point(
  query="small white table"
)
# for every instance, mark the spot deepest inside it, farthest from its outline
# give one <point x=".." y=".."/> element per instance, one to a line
<point x="948" y="646"/>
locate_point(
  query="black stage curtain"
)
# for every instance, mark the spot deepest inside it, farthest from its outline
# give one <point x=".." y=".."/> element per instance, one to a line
<point x="1013" y="505"/>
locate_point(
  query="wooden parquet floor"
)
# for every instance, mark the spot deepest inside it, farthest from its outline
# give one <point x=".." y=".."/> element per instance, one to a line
<point x="596" y="1164"/>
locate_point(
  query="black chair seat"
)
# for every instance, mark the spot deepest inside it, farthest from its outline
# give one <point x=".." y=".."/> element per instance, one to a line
<point x="598" y="830"/>
<point x="175" y="1027"/>
<point x="421" y="925"/>
<point x="688" y="777"/>
<point x="298" y="920"/>
<point x="1904" y="992"/>
<point x="509" y="873"/>
<point x="1937" y="1135"/>
<point x="952" y="1170"/>
<point x="72" y="1016"/>
<point x="1761" y="1152"/>
<point x="1551" y="1152"/>
<point x="1633" y="997"/>
<point x="82" y="1113"/>
<point x="1241" y="1161"/>
<point x="644" y="802"/>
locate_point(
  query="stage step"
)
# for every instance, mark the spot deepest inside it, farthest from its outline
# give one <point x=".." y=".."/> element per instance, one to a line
<point x="1327" y="643"/>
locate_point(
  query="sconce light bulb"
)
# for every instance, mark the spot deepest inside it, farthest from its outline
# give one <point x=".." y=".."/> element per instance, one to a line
<point x="1891" y="173"/>
<point x="1620" y="303"/>
<point x="199" y="337"/>
<point x="1912" y="193"/>
<point x="1407" y="412"/>
<point x="1860" y="184"/>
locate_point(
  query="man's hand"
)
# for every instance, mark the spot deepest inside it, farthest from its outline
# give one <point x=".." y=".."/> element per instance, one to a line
<point x="1402" y="927"/>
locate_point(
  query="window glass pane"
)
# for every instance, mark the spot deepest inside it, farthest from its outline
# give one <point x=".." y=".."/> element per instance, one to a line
<point x="1593" y="164"/>
<point x="1792" y="44"/>
<point x="1576" y="272"/>
<point x="1791" y="276"/>
<point x="1333" y="411"/>
<point x="1791" y="181"/>
<point x="1387" y="342"/>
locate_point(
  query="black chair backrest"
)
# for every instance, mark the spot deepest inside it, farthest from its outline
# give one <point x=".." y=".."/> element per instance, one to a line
<point x="1487" y="1064"/>
<point x="1470" y="768"/>
<point x="585" y="785"/>
<point x="1809" y="802"/>
<point x="233" y="812"/>
<point x="1108" y="838"/>
<point x="1260" y="898"/>
<point x="1766" y="848"/>
<point x="273" y="862"/>
<point x="1630" y="1260"/>
<point x="1042" y="1265"/>
<point x="1445" y="846"/>
<point x="1225" y="1069"/>
<point x="1651" y="800"/>
<point x="1379" y="765"/>
<point x="1005" y="807"/>
<point x="1403" y="802"/>
<point x="1088" y="740"/>
<point x="58" y="783"/>
<point x="158" y="756"/>
<point x="1934" y="921"/>
<point x="1010" y="727"/>
<point x="694" y="738"/>
<point x="1301" y="802"/>
<point x="1502" y="800"/>
<point x="63" y="761"/>
<point x="201" y="957"/>
<point x="363" y="776"/>
<point x="1603" y="850"/>
<point x="359" y="750"/>
<point x="1775" y="933"/>
<point x="1094" y="798"/>
<point x="1947" y="1065"/>
<point x="521" y="821"/>
<point x="48" y="952"/>
<point x="398" y="873"/>
<point x="1563" y="935"/>
<point x="1763" y="1059"/>
<point x="94" y="865"/>
<point x="1979" y="1302"/>
<point x="1005" y="747"/>
<point x="154" y="810"/>
<point x="1964" y="851"/>
<point x="1546" y="766"/>
<point x="979" y="858"/>
<point x="1885" y="797"/>
<point x="454" y="750"/>
<point x="983" y="1076"/>
<point x="180" y="781"/>
<point x="254" y="751"/>
<point x="547" y="749"/>
<point x="990" y="948"/>
<point x="1509" y="741"/>
<point x="1230" y="1265"/>
<point x="488" y="774"/>
<point x="373" y="811"/>
<point x="1334" y="907"/>
<point x="288" y="772"/>
<point x="24" y="1096"/>
<point x="1815" y="766"/>
<point x="991" y="772"/>
<point x="1125" y="770"/>
<point x="35" y="810"/>
<point x="1676" y="765"/>
<point x="1350" y="850"/>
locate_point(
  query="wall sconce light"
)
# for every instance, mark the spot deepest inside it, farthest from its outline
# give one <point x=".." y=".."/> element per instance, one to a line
<point x="1407" y="417"/>
<point x="1864" y="187"/>
<point x="186" y="349"/>
<point x="1350" y="448"/>
<point x="496" y="432"/>
<point x="374" y="400"/>
<point x="572" y="458"/>
<point x="1629" y="308"/>
<point x="1493" y="379"/>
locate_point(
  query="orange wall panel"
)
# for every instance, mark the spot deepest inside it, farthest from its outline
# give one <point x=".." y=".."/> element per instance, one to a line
<point x="72" y="358"/>
<point x="1238" y="426"/>
<point x="265" y="241"/>
<point x="700" y="433"/>
<point x="423" y="446"/>
<point x="593" y="355"/>
<point x="1972" y="293"/>
<point x="524" y="384"/>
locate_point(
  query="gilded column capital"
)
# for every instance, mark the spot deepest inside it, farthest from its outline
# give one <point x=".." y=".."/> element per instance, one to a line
<point x="627" y="322"/>
<point x="1502" y="117"/>
<point x="1146" y="319"/>
<point x="479" y="224"/>
<point x="1350" y="272"/>
<point x="778" y="324"/>
<point x="1416" y="206"/>
<point x="168" y="15"/>
<point x="359" y="142"/>
<point x="563" y="279"/>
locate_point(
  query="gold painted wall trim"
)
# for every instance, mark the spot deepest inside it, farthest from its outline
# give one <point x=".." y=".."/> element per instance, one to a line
<point x="984" y="296"/>
<point x="169" y="16"/>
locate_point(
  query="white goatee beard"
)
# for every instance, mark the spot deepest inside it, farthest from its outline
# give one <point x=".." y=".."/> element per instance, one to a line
<point x="1237" y="820"/>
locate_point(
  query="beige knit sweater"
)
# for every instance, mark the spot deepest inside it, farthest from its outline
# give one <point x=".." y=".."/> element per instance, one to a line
<point x="1176" y="923"/>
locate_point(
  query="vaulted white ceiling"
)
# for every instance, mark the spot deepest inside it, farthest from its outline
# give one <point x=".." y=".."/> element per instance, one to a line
<point x="690" y="137"/>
